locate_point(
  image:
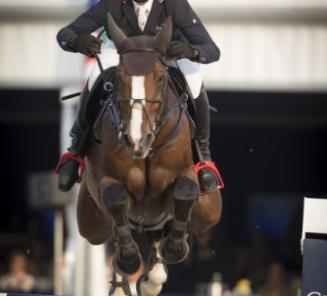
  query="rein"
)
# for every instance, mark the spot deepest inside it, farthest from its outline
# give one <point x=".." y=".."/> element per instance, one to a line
<point x="183" y="107"/>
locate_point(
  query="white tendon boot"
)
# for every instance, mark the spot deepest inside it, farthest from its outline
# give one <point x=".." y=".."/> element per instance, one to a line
<point x="156" y="277"/>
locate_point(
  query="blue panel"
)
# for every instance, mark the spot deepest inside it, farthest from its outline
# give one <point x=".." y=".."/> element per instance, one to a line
<point x="314" y="267"/>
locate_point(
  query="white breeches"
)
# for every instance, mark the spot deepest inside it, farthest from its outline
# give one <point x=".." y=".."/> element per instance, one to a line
<point x="110" y="58"/>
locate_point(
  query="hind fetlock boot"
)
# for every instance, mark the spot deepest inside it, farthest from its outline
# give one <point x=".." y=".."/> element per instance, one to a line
<point x="207" y="172"/>
<point x="71" y="164"/>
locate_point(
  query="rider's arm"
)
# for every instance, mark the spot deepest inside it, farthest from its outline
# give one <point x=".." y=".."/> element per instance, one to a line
<point x="86" y="23"/>
<point x="186" y="20"/>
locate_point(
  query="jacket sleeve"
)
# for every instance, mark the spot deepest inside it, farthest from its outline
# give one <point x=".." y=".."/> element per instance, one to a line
<point x="186" y="20"/>
<point x="86" y="23"/>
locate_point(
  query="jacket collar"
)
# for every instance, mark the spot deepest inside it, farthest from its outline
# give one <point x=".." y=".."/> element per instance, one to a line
<point x="154" y="16"/>
<point x="129" y="11"/>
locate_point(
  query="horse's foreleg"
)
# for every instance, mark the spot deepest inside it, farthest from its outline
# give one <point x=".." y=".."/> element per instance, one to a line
<point x="115" y="199"/>
<point x="175" y="248"/>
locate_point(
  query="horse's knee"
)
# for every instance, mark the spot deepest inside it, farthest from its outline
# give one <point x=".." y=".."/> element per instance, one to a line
<point x="114" y="196"/>
<point x="186" y="189"/>
<point x="185" y="195"/>
<point x="115" y="199"/>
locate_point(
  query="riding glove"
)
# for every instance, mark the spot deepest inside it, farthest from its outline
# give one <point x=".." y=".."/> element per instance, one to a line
<point x="87" y="44"/>
<point x="181" y="50"/>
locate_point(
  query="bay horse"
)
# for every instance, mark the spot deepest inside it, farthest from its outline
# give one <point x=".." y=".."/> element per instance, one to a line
<point x="140" y="189"/>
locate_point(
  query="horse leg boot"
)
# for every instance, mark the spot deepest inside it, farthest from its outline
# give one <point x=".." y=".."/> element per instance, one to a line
<point x="207" y="177"/>
<point x="127" y="260"/>
<point x="151" y="283"/>
<point x="69" y="164"/>
<point x="174" y="248"/>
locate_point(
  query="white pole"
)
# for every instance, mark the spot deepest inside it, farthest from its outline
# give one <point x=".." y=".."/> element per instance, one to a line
<point x="85" y="265"/>
<point x="68" y="111"/>
<point x="58" y="252"/>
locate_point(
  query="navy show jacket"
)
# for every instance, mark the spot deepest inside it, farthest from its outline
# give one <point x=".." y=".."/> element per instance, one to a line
<point x="187" y="25"/>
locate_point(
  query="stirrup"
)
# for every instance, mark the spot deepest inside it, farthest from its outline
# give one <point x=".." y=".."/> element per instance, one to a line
<point x="210" y="165"/>
<point x="72" y="155"/>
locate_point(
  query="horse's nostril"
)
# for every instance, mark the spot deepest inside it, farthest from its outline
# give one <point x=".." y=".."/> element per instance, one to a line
<point x="149" y="136"/>
<point x="127" y="139"/>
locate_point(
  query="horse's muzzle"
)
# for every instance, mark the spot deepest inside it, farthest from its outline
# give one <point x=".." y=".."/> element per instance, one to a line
<point x="139" y="154"/>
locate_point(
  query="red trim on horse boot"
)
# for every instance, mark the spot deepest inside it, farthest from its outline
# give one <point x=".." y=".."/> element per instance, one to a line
<point x="210" y="165"/>
<point x="72" y="155"/>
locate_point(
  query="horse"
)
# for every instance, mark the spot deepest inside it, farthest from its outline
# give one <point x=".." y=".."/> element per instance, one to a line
<point x="140" y="189"/>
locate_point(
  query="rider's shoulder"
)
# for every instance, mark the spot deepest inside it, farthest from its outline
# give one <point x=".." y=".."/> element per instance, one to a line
<point x="176" y="3"/>
<point x="115" y="2"/>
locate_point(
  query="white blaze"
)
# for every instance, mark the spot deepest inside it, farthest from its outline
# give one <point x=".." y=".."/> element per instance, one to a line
<point x="138" y="92"/>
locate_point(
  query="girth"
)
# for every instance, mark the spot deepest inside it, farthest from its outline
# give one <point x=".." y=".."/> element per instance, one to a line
<point x="154" y="227"/>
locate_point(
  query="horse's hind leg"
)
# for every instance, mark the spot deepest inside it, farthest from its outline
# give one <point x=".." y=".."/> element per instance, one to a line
<point x="92" y="223"/>
<point x="151" y="283"/>
<point x="175" y="248"/>
<point x="206" y="212"/>
<point x="115" y="198"/>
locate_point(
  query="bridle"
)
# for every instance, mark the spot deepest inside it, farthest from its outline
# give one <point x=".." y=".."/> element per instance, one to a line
<point x="113" y="99"/>
<point x="155" y="125"/>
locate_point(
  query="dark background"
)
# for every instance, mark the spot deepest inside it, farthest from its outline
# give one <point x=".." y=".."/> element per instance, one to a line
<point x="271" y="150"/>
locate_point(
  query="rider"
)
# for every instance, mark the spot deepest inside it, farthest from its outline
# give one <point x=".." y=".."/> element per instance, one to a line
<point x="191" y="45"/>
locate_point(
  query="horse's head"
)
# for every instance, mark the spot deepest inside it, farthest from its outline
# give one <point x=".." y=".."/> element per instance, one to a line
<point x="142" y="85"/>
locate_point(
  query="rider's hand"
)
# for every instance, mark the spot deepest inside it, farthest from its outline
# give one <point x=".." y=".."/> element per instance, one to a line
<point x="181" y="50"/>
<point x="87" y="44"/>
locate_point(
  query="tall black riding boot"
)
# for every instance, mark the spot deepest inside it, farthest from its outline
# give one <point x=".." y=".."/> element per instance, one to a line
<point x="71" y="162"/>
<point x="208" y="179"/>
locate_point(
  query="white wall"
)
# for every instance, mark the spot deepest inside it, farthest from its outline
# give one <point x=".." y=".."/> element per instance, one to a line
<point x="272" y="56"/>
<point x="30" y="56"/>
<point x="265" y="44"/>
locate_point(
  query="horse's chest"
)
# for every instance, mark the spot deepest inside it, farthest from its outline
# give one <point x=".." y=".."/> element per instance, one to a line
<point x="159" y="179"/>
<point x="152" y="182"/>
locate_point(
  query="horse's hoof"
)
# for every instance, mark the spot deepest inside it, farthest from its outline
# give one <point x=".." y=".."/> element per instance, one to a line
<point x="127" y="267"/>
<point x="174" y="251"/>
<point x="127" y="263"/>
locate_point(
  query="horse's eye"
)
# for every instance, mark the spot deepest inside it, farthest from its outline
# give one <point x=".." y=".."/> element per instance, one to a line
<point x="161" y="79"/>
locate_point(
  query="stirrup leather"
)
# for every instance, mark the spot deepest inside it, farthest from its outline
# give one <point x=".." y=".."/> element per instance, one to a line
<point x="72" y="155"/>
<point x="210" y="165"/>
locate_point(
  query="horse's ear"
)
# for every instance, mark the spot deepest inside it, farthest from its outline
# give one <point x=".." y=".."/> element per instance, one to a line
<point x="116" y="34"/>
<point x="163" y="37"/>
